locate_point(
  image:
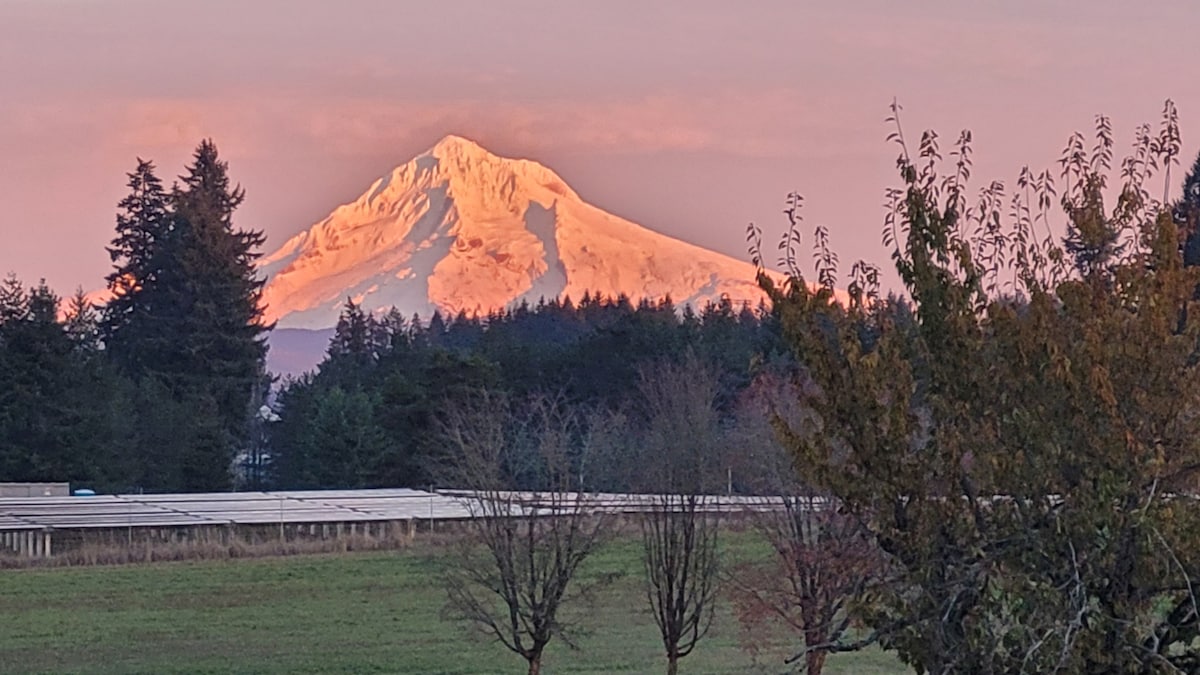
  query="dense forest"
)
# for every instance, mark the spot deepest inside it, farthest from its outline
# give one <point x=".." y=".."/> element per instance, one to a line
<point x="371" y="414"/>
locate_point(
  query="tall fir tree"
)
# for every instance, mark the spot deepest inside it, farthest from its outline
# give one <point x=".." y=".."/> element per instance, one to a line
<point x="186" y="319"/>
<point x="138" y="254"/>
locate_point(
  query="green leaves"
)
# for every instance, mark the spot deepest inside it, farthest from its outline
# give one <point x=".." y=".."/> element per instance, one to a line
<point x="1022" y="451"/>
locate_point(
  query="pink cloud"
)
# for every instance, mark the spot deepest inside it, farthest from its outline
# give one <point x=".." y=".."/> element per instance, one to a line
<point x="769" y="123"/>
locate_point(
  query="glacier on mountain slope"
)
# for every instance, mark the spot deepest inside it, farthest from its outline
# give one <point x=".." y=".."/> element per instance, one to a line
<point x="461" y="229"/>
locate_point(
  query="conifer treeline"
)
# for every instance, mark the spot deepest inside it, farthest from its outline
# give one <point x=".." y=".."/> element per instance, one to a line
<point x="369" y="416"/>
<point x="94" y="411"/>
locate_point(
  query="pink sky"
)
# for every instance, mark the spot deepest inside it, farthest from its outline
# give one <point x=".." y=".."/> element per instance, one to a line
<point x="692" y="118"/>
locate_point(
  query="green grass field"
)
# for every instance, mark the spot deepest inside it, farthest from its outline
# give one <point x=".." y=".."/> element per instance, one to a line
<point x="346" y="613"/>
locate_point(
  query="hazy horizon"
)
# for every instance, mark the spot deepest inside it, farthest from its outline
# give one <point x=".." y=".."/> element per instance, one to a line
<point x="692" y="118"/>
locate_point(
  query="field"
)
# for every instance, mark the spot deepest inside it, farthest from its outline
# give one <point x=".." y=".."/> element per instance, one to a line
<point x="335" y="613"/>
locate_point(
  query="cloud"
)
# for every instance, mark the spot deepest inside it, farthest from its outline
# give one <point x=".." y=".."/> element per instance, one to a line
<point x="645" y="125"/>
<point x="765" y="123"/>
<point x="142" y="127"/>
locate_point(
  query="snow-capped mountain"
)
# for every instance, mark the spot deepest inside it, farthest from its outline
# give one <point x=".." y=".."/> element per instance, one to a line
<point x="461" y="229"/>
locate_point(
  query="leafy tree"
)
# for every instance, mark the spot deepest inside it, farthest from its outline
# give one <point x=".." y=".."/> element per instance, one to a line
<point x="1022" y="451"/>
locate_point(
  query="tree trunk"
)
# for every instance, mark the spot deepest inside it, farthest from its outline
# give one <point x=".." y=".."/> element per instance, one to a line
<point x="814" y="662"/>
<point x="535" y="665"/>
<point x="672" y="664"/>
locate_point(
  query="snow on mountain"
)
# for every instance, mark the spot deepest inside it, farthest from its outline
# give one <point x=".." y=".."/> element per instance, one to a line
<point x="461" y="229"/>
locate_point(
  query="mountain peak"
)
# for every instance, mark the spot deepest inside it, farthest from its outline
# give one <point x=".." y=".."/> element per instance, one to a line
<point x="455" y="144"/>
<point x="460" y="229"/>
<point x="479" y="179"/>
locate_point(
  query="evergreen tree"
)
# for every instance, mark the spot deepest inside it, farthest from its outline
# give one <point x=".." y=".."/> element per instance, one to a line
<point x="143" y="225"/>
<point x="354" y="340"/>
<point x="57" y="402"/>
<point x="395" y="377"/>
<point x="217" y="338"/>
<point x="82" y="322"/>
<point x="186" y="320"/>
<point x="1187" y="216"/>
<point x="343" y="441"/>
<point x="12" y="299"/>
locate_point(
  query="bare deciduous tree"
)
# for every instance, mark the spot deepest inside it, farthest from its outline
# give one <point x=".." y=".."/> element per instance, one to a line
<point x="682" y="446"/>
<point x="824" y="560"/>
<point x="531" y="527"/>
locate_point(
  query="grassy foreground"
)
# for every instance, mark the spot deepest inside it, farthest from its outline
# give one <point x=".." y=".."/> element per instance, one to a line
<point x="348" y="613"/>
